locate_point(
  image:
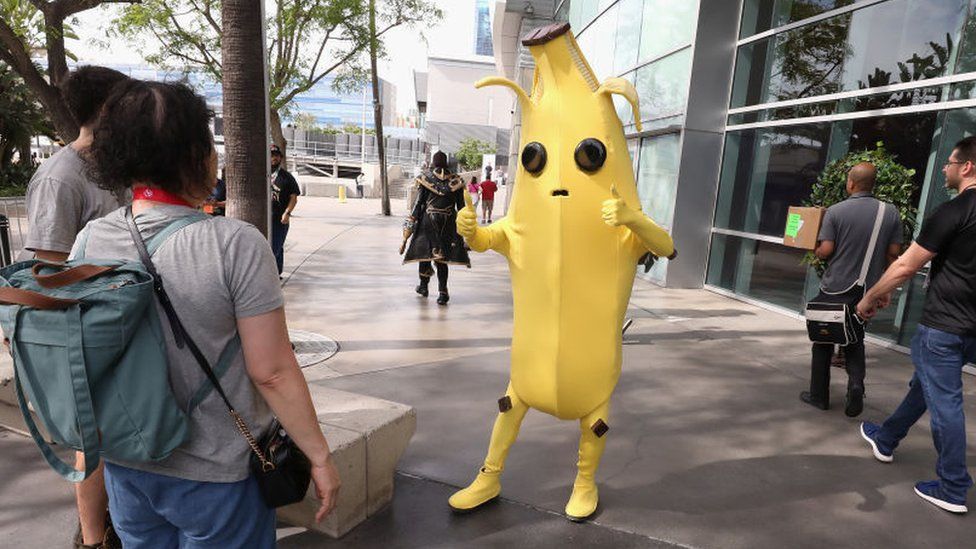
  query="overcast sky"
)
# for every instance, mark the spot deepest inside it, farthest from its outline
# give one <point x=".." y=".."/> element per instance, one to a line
<point x="408" y="52"/>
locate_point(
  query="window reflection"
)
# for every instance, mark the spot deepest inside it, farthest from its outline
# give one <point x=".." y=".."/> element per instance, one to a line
<point x="762" y="270"/>
<point x="663" y="85"/>
<point x="761" y="15"/>
<point x="887" y="43"/>
<point x="667" y="25"/>
<point x="628" y="35"/>
<point x="766" y="171"/>
<point x="657" y="177"/>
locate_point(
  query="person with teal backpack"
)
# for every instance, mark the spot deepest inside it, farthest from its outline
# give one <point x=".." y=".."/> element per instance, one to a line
<point x="177" y="470"/>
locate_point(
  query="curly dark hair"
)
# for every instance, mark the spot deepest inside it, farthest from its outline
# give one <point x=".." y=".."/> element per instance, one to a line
<point x="154" y="132"/>
<point x="85" y="91"/>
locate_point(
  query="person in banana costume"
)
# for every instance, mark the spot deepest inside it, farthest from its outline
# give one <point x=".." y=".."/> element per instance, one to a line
<point x="573" y="235"/>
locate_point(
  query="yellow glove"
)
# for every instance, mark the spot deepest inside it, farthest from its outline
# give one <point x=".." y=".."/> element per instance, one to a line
<point x="655" y="239"/>
<point x="616" y="212"/>
<point x="467" y="219"/>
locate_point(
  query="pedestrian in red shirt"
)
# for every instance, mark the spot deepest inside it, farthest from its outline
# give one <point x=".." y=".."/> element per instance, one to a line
<point x="488" y="188"/>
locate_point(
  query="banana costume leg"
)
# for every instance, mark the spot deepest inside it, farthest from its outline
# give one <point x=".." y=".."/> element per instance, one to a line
<point x="487" y="485"/>
<point x="593" y="428"/>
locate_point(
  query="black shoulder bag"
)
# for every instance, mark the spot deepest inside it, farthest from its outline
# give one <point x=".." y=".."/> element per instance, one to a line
<point x="834" y="322"/>
<point x="280" y="467"/>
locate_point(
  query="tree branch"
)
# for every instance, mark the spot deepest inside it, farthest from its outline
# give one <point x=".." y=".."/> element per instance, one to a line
<point x="189" y="38"/>
<point x="174" y="52"/>
<point x="70" y="7"/>
<point x="18" y="57"/>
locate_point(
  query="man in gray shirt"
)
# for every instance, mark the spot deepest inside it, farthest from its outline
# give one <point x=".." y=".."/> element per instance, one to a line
<point x="61" y="200"/>
<point x="843" y="241"/>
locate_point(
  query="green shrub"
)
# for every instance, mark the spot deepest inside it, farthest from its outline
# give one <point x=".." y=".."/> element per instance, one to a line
<point x="894" y="185"/>
<point x="14" y="178"/>
<point x="471" y="152"/>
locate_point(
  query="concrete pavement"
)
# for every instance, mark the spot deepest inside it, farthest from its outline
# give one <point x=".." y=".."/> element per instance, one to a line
<point x="709" y="445"/>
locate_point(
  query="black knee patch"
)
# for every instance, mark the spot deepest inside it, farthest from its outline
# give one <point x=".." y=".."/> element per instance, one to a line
<point x="504" y="404"/>
<point x="599" y="428"/>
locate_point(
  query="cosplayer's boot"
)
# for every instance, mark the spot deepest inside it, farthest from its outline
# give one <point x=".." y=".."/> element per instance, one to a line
<point x="487" y="485"/>
<point x="443" y="298"/>
<point x="593" y="428"/>
<point x="422" y="288"/>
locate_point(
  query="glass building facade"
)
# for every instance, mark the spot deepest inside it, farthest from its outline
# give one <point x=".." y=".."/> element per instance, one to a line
<point x="482" y="22"/>
<point x="814" y="80"/>
<point x="744" y="102"/>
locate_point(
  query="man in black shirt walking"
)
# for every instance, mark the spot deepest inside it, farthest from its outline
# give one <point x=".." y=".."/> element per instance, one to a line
<point x="284" y="197"/>
<point x="946" y="336"/>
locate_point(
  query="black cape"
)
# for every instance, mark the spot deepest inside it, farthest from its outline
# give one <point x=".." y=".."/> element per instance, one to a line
<point x="435" y="238"/>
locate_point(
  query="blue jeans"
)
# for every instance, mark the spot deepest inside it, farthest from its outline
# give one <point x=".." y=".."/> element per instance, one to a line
<point x="279" y="231"/>
<point x="151" y="511"/>
<point x="936" y="386"/>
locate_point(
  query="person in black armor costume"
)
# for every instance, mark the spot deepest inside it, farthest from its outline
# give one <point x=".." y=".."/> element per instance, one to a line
<point x="431" y="226"/>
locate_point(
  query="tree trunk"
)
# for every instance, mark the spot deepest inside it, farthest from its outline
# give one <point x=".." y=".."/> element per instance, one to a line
<point x="57" y="110"/>
<point x="378" y="111"/>
<point x="57" y="72"/>
<point x="277" y="136"/>
<point x="245" y="112"/>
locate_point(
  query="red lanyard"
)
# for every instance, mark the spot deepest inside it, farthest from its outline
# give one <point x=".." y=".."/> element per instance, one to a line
<point x="158" y="195"/>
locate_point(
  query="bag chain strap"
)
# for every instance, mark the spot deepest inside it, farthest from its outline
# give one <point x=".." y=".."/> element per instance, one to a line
<point x="266" y="465"/>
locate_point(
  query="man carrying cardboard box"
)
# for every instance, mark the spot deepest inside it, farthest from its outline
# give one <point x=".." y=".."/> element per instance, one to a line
<point x="843" y="242"/>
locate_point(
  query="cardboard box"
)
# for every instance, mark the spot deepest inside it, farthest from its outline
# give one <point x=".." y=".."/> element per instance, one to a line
<point x="803" y="226"/>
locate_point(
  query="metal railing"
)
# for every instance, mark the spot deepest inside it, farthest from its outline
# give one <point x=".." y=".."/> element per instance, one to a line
<point x="320" y="151"/>
<point x="13" y="228"/>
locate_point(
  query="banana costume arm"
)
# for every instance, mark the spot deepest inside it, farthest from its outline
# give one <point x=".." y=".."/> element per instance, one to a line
<point x="652" y="237"/>
<point x="480" y="239"/>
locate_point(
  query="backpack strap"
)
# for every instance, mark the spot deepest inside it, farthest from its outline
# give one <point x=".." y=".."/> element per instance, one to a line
<point x="220" y="368"/>
<point x="177" y="225"/>
<point x="84" y="409"/>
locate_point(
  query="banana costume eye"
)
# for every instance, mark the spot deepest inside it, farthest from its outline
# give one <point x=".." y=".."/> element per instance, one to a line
<point x="534" y="157"/>
<point x="590" y="155"/>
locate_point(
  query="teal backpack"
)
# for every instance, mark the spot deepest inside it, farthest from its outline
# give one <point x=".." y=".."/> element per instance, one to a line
<point x="90" y="356"/>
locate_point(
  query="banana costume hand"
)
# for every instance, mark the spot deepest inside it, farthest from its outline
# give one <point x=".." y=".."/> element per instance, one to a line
<point x="467" y="220"/>
<point x="616" y="212"/>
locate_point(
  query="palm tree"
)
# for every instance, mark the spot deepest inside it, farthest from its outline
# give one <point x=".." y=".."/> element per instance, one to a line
<point x="245" y="111"/>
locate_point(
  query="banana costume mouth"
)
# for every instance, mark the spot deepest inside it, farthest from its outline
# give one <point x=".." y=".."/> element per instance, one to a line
<point x="560" y="192"/>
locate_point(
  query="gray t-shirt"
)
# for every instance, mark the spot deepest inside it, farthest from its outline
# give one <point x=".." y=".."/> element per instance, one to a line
<point x="61" y="200"/>
<point x="215" y="271"/>
<point x="849" y="225"/>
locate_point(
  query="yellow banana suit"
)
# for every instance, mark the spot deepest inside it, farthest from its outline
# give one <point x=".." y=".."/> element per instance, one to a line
<point x="573" y="235"/>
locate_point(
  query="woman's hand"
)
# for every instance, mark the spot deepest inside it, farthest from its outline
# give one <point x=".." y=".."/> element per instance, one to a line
<point x="327" y="483"/>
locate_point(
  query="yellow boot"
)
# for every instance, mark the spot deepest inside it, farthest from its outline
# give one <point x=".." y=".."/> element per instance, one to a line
<point x="487" y="485"/>
<point x="583" y="503"/>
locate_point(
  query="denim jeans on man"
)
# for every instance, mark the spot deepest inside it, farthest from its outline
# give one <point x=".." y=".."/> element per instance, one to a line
<point x="937" y="386"/>
<point x="279" y="231"/>
<point x="151" y="511"/>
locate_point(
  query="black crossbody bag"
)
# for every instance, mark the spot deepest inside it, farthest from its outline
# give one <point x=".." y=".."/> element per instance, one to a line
<point x="282" y="470"/>
<point x="834" y="322"/>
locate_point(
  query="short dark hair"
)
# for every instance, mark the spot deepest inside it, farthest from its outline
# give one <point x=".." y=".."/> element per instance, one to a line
<point x="86" y="89"/>
<point x="966" y="149"/>
<point x="155" y="132"/>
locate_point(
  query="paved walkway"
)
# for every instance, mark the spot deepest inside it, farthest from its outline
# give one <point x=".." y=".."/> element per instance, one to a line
<point x="709" y="445"/>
